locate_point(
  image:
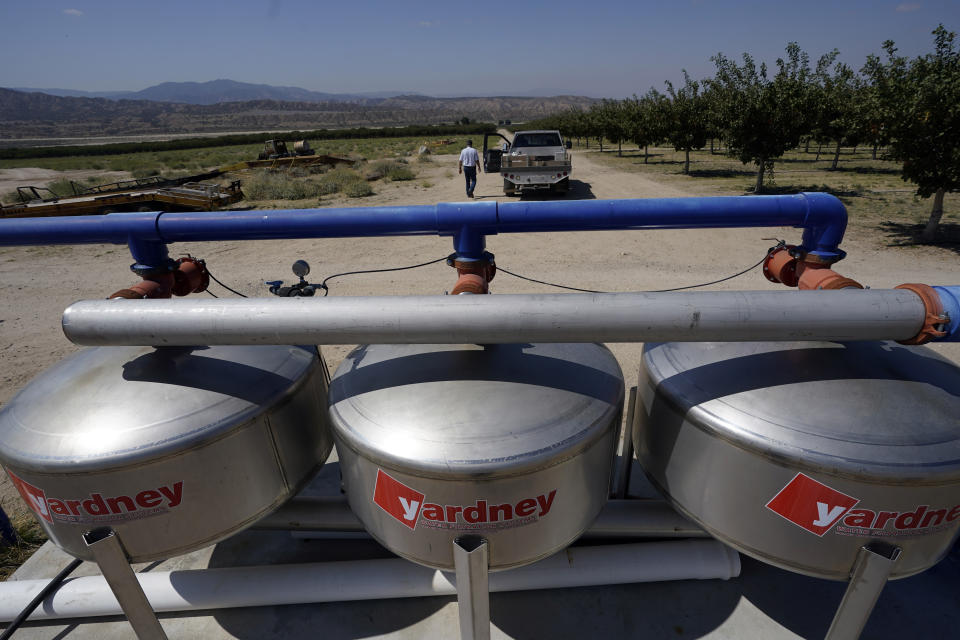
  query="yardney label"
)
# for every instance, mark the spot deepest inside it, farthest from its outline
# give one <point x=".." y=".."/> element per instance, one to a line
<point x="98" y="507"/>
<point x="814" y="506"/>
<point x="410" y="507"/>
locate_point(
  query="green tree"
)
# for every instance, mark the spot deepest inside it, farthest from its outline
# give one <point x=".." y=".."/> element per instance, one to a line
<point x="645" y="124"/>
<point x="921" y="103"/>
<point x="611" y="115"/>
<point x="871" y="122"/>
<point x="762" y="117"/>
<point x="686" y="118"/>
<point x="836" y="114"/>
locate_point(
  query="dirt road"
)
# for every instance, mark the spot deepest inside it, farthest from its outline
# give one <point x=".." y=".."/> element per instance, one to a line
<point x="37" y="283"/>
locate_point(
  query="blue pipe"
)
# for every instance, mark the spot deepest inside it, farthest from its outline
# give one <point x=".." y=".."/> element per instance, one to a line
<point x="822" y="216"/>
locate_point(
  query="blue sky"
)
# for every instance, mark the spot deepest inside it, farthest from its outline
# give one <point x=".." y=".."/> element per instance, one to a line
<point x="596" y="48"/>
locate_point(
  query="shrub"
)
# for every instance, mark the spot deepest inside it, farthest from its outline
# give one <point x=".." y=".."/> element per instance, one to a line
<point x="400" y="172"/>
<point x="62" y="187"/>
<point x="358" y="189"/>
<point x="279" y="186"/>
<point x="377" y="170"/>
<point x="336" y="180"/>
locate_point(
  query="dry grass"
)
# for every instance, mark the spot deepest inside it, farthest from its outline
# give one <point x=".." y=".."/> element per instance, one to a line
<point x="31" y="537"/>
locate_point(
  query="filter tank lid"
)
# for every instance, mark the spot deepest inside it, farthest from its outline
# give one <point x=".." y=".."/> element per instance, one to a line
<point x="870" y="410"/>
<point x="109" y="407"/>
<point x="475" y="410"/>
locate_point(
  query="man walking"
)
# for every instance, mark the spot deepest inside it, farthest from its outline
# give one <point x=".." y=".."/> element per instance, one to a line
<point x="469" y="165"/>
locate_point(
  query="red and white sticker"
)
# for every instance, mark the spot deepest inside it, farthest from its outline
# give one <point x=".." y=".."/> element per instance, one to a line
<point x="409" y="506"/>
<point x="818" y="508"/>
<point x="810" y="504"/>
<point x="33" y="496"/>
<point x="99" y="507"/>
<point x="397" y="499"/>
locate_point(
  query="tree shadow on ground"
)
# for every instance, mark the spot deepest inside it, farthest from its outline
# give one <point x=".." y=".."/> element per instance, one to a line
<point x="722" y="173"/>
<point x="900" y="234"/>
<point x="778" y="190"/>
<point x="799" y="160"/>
<point x="889" y="171"/>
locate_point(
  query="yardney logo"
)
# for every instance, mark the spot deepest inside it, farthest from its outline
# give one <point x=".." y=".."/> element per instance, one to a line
<point x="410" y="506"/>
<point x="96" y="507"/>
<point x="814" y="506"/>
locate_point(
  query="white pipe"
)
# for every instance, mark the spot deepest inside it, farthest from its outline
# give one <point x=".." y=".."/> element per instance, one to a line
<point x="726" y="316"/>
<point x="373" y="580"/>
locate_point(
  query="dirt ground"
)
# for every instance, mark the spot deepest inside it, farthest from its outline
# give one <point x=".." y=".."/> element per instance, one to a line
<point x="37" y="283"/>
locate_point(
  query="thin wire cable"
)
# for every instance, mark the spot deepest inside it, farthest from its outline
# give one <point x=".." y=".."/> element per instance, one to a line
<point x="707" y="284"/>
<point x="214" y="278"/>
<point x="549" y="284"/>
<point x="212" y="293"/>
<point x="781" y="243"/>
<point x="326" y="289"/>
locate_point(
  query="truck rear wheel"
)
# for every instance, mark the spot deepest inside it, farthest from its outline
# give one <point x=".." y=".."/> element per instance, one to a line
<point x="509" y="189"/>
<point x="562" y="187"/>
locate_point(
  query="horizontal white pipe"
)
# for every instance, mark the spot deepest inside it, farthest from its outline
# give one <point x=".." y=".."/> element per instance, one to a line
<point x="373" y="580"/>
<point x="894" y="314"/>
<point x="617" y="519"/>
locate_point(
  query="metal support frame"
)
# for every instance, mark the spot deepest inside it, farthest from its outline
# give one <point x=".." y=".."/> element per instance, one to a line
<point x="110" y="556"/>
<point x="620" y="480"/>
<point x="471" y="558"/>
<point x="870" y="572"/>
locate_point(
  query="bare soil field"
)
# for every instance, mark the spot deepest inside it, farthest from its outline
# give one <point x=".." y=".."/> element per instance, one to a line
<point x="37" y="283"/>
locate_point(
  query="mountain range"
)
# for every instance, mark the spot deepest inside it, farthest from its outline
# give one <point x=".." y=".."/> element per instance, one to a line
<point x="43" y="116"/>
<point x="217" y="91"/>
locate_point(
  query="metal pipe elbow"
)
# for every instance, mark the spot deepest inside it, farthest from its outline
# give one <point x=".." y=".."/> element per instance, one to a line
<point x="824" y="225"/>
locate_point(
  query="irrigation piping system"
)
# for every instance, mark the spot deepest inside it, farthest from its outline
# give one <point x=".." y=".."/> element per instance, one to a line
<point x="822" y="217"/>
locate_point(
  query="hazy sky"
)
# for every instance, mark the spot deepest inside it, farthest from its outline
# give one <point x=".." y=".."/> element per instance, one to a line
<point x="597" y="48"/>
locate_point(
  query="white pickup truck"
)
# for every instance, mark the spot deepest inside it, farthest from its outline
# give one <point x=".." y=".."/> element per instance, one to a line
<point x="533" y="160"/>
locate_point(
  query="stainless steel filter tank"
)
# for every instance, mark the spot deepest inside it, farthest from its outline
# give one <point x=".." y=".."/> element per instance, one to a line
<point x="798" y="454"/>
<point x="510" y="442"/>
<point x="174" y="448"/>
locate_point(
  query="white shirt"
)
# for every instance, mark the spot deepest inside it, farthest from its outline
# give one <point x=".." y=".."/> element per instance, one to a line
<point x="469" y="157"/>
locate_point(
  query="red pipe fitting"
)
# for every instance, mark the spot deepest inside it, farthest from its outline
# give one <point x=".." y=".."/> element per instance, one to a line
<point x="781" y="266"/>
<point x="188" y="276"/>
<point x="475" y="275"/>
<point x="813" y="276"/>
<point x="470" y="283"/>
<point x="933" y="317"/>
<point x="153" y="286"/>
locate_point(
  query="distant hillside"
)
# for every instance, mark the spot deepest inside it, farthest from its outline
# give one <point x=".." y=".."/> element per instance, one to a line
<point x="75" y="93"/>
<point x="217" y="91"/>
<point x="214" y="92"/>
<point x="38" y="115"/>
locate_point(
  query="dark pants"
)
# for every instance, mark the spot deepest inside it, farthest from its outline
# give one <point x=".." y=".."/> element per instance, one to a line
<point x="470" y="175"/>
